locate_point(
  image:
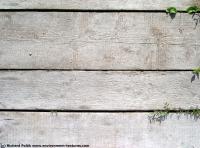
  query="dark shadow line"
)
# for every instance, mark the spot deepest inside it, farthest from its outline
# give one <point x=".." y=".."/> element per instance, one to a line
<point x="92" y="111"/>
<point x="21" y="69"/>
<point x="85" y="10"/>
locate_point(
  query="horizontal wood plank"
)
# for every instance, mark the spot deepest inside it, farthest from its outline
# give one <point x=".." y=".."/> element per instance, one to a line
<point x="99" y="130"/>
<point x="97" y="4"/>
<point x="97" y="90"/>
<point x="66" y="40"/>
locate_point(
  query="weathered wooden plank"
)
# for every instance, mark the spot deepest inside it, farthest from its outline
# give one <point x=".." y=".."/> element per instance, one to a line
<point x="97" y="4"/>
<point x="97" y="90"/>
<point x="127" y="130"/>
<point x="51" y="40"/>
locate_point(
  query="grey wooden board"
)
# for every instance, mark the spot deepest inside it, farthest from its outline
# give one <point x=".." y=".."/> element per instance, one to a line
<point x="97" y="90"/>
<point x="99" y="130"/>
<point x="97" y="4"/>
<point x="67" y="40"/>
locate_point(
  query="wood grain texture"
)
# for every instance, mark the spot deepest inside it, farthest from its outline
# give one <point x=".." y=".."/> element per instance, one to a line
<point x="97" y="90"/>
<point x="127" y="130"/>
<point x="97" y="4"/>
<point x="66" y="40"/>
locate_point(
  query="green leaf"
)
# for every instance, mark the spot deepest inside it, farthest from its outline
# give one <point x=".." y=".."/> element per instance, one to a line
<point x="193" y="9"/>
<point x="196" y="71"/>
<point x="171" y="10"/>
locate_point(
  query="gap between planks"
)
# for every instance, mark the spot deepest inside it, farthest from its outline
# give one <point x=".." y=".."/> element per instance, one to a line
<point x="98" y="70"/>
<point x="95" y="111"/>
<point x="85" y="10"/>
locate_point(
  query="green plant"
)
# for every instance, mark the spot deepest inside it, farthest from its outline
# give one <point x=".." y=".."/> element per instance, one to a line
<point x="160" y="115"/>
<point x="195" y="113"/>
<point x="171" y="10"/>
<point x="193" y="9"/>
<point x="196" y="71"/>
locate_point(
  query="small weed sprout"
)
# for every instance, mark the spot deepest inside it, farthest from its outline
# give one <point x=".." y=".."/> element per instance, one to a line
<point x="171" y="10"/>
<point x="189" y="10"/>
<point x="196" y="73"/>
<point x="193" y="9"/>
<point x="195" y="113"/>
<point x="160" y="115"/>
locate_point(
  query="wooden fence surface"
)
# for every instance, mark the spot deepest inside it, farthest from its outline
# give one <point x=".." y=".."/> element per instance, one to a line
<point x="75" y="40"/>
<point x="114" y="130"/>
<point x="97" y="4"/>
<point x="92" y="72"/>
<point x="90" y="90"/>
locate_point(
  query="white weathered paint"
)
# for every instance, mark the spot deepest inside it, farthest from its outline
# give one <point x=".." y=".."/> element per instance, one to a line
<point x="90" y="40"/>
<point x="66" y="40"/>
<point x="99" y="130"/>
<point x="97" y="4"/>
<point x="97" y="90"/>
